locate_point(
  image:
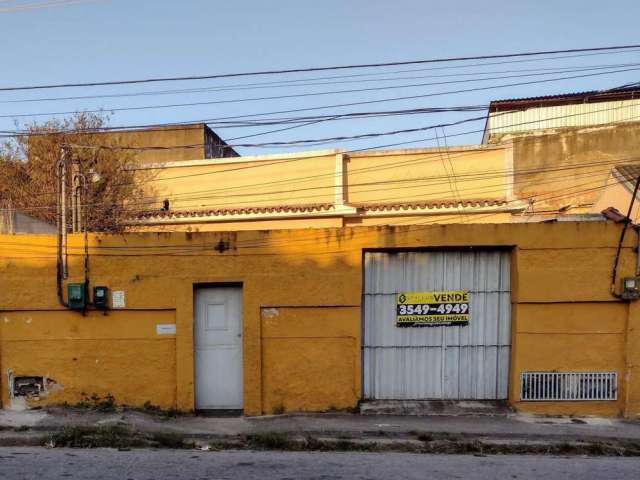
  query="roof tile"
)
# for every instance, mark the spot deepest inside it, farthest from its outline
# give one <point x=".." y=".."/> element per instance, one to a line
<point x="431" y="205"/>
<point x="212" y="212"/>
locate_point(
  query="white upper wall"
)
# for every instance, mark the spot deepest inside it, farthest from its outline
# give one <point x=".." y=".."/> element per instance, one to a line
<point x="561" y="116"/>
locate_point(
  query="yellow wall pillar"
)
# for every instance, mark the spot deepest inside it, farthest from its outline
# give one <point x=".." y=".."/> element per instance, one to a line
<point x="185" y="392"/>
<point x="632" y="362"/>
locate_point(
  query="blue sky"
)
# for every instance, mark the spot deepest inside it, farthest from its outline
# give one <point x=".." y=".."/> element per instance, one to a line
<point x="124" y="39"/>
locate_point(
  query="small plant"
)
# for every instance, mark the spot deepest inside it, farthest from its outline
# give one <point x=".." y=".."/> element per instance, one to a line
<point x="150" y="407"/>
<point x="269" y="441"/>
<point x="171" y="412"/>
<point x="106" y="404"/>
<point x="424" y="437"/>
<point x="171" y="440"/>
<point x="343" y="445"/>
<point x="115" y="436"/>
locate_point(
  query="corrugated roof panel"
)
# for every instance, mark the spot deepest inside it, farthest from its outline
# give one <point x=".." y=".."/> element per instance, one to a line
<point x="627" y="173"/>
<point x="562" y="116"/>
<point x="590" y="96"/>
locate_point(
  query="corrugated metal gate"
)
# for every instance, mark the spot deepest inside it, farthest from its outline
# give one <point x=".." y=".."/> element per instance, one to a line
<point x="452" y="362"/>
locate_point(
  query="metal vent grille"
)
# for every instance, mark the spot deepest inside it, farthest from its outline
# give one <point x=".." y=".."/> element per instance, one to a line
<point x="568" y="386"/>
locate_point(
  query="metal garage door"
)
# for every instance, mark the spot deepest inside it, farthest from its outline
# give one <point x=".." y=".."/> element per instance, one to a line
<point x="442" y="362"/>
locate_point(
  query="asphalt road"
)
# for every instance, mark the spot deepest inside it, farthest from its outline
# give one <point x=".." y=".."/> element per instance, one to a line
<point x="107" y="464"/>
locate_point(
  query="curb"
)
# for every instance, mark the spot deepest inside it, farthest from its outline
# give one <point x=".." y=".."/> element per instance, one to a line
<point x="125" y="437"/>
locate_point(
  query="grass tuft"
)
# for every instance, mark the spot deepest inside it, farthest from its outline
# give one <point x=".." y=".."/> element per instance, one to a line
<point x="279" y="409"/>
<point x="269" y="441"/>
<point x="115" y="436"/>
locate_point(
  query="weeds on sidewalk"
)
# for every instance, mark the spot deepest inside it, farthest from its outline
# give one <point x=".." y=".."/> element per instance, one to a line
<point x="114" y="436"/>
<point x="282" y="441"/>
<point x="434" y="444"/>
<point x="149" y="407"/>
<point x="106" y="404"/>
<point x="125" y="437"/>
<point x="279" y="409"/>
<point x="269" y="441"/>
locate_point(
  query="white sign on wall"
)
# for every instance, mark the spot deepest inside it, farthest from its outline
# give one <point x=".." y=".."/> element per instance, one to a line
<point x="117" y="299"/>
<point x="166" y="329"/>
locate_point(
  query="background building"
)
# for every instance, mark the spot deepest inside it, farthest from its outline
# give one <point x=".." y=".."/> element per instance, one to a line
<point x="564" y="149"/>
<point x="331" y="188"/>
<point x="13" y="221"/>
<point x="171" y="143"/>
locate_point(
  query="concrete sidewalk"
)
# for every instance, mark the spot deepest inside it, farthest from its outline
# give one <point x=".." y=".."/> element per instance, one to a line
<point x="34" y="423"/>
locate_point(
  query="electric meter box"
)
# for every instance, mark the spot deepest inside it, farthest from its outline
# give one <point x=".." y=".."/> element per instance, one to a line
<point x="100" y="298"/>
<point x="630" y="288"/>
<point x="77" y="296"/>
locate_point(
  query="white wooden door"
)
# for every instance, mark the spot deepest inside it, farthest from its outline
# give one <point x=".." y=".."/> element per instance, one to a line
<point x="218" y="348"/>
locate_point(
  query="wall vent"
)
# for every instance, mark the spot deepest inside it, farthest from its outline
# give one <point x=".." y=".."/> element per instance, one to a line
<point x="568" y="386"/>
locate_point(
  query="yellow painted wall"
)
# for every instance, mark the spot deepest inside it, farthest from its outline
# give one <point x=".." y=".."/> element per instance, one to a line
<point x="425" y="220"/>
<point x="301" y="311"/>
<point x="616" y="195"/>
<point x="168" y="137"/>
<point x="428" y="175"/>
<point x="169" y="143"/>
<point x="388" y="177"/>
<point x="325" y="345"/>
<point x="284" y="224"/>
<point x="97" y="354"/>
<point x="306" y="178"/>
<point x="569" y="166"/>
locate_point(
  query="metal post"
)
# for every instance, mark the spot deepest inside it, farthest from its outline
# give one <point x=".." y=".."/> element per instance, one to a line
<point x="76" y="216"/>
<point x="60" y="220"/>
<point x="74" y="208"/>
<point x="82" y="223"/>
<point x="63" y="213"/>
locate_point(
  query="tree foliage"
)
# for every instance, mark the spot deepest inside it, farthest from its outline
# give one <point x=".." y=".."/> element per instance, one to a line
<point x="28" y="171"/>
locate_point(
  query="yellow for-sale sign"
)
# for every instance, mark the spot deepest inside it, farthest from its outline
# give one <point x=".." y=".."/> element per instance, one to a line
<point x="430" y="309"/>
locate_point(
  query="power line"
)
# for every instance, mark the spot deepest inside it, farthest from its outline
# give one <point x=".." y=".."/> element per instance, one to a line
<point x="410" y="223"/>
<point x="459" y="177"/>
<point x="501" y="186"/>
<point x="279" y="144"/>
<point x="288" y="242"/>
<point x="313" y="240"/>
<point x="307" y="157"/>
<point x="476" y="176"/>
<point x="291" y="142"/>
<point x="300" y="82"/>
<point x="180" y="126"/>
<point x="334" y="92"/>
<point x="435" y="196"/>
<point x="319" y="69"/>
<point x="221" y="120"/>
<point x="39" y="5"/>
<point x="352" y="137"/>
